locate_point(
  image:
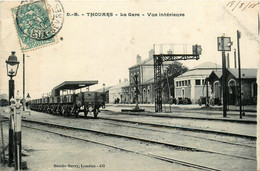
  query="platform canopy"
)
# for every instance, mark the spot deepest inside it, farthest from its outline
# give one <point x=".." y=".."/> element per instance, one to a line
<point x="73" y="85"/>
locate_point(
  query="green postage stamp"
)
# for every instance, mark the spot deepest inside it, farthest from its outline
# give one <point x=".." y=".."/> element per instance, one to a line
<point x="38" y="23"/>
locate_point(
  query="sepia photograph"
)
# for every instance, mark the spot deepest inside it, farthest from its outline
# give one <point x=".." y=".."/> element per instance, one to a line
<point x="143" y="85"/>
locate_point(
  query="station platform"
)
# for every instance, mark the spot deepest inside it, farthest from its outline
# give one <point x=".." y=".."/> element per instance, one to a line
<point x="191" y="112"/>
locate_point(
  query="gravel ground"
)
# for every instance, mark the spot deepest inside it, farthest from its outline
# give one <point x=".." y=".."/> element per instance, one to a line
<point x="224" y="162"/>
<point x="70" y="148"/>
<point x="238" y="128"/>
<point x="53" y="152"/>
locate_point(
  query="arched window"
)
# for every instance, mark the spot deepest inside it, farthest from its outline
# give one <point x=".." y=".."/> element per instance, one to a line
<point x="232" y="82"/>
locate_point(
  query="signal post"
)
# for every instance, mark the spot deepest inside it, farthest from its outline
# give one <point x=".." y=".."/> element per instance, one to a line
<point x="224" y="44"/>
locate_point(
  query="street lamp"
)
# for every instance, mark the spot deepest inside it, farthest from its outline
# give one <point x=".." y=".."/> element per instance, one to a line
<point x="12" y="65"/>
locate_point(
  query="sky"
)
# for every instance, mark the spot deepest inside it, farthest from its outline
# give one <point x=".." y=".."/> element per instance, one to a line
<point x="103" y="48"/>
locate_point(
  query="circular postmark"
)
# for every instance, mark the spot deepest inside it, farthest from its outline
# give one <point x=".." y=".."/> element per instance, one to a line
<point x="40" y="20"/>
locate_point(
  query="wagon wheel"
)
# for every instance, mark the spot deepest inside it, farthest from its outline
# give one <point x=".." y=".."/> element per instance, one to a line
<point x="51" y="109"/>
<point x="95" y="111"/>
<point x="63" y="111"/>
<point x="60" y="110"/>
<point x="67" y="112"/>
<point x="70" y="111"/>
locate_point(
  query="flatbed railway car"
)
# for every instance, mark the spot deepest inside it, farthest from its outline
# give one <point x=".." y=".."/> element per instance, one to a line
<point x="63" y="100"/>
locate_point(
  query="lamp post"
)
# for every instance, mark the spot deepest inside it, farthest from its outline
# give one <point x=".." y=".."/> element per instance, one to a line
<point x="12" y="65"/>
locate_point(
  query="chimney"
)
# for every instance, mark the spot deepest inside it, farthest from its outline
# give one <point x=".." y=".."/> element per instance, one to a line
<point x="228" y="61"/>
<point x="138" y="59"/>
<point x="169" y="51"/>
<point x="151" y="53"/>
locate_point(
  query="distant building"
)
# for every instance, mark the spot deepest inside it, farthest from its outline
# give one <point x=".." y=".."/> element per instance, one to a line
<point x="3" y="96"/>
<point x="116" y="92"/>
<point x="191" y="84"/>
<point x="248" y="84"/>
<point x="145" y="71"/>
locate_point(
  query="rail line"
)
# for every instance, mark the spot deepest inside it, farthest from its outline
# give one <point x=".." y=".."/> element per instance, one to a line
<point x="178" y="147"/>
<point x="159" y="157"/>
<point x="187" y="117"/>
<point x="210" y="139"/>
<point x="183" y="128"/>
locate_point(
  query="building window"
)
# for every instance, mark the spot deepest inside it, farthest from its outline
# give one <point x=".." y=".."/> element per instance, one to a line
<point x="197" y="82"/>
<point x="188" y="82"/>
<point x="182" y="83"/>
<point x="203" y="81"/>
<point x="177" y="83"/>
<point x="185" y="83"/>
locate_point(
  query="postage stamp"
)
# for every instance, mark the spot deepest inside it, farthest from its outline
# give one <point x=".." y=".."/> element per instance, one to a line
<point x="38" y="23"/>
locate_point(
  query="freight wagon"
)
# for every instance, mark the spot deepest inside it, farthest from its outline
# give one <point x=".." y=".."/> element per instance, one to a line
<point x="69" y="98"/>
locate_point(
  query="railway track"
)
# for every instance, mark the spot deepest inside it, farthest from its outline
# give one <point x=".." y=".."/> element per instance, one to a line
<point x="182" y="128"/>
<point x="187" y="117"/>
<point x="149" y="154"/>
<point x="174" y="146"/>
<point x="199" y="137"/>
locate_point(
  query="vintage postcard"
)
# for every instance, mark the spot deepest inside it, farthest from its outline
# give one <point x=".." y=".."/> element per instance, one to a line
<point x="129" y="85"/>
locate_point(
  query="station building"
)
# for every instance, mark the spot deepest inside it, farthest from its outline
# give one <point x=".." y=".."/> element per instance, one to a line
<point x="145" y="71"/>
<point x="248" y="86"/>
<point x="191" y="84"/>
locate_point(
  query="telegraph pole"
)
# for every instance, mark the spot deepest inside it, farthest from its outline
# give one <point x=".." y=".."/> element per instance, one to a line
<point x="23" y="82"/>
<point x="239" y="73"/>
<point x="224" y="79"/>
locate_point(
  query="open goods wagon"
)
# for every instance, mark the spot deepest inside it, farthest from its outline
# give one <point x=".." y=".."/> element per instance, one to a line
<point x="63" y="100"/>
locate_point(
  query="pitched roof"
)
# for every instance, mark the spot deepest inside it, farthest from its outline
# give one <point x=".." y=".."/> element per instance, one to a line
<point x="246" y="73"/>
<point x="203" y="69"/>
<point x="207" y="65"/>
<point x="218" y="73"/>
<point x="143" y="62"/>
<point x="200" y="72"/>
